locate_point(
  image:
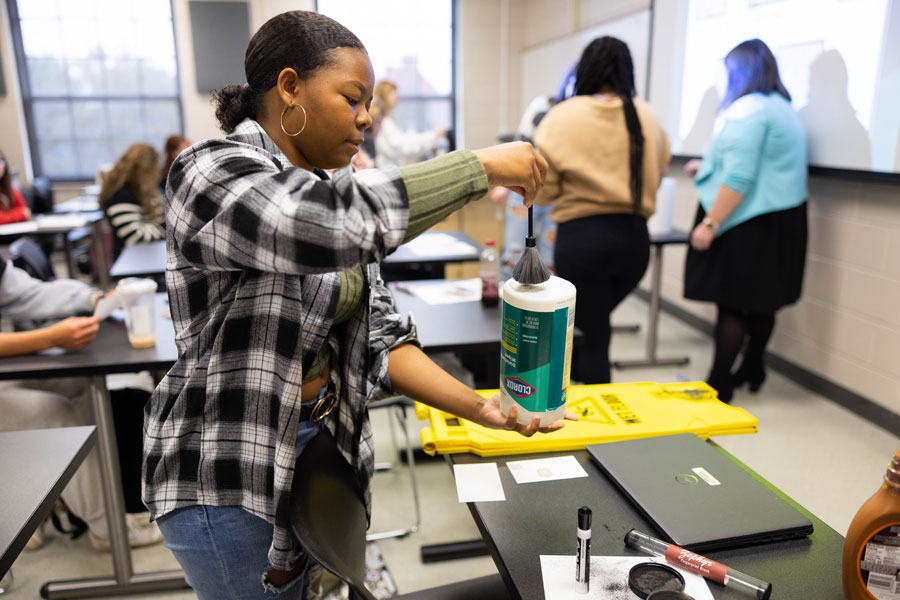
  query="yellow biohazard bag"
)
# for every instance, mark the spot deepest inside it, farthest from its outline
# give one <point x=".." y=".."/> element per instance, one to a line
<point x="607" y="413"/>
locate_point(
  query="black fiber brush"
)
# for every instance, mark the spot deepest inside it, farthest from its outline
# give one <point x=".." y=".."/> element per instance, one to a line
<point x="530" y="270"/>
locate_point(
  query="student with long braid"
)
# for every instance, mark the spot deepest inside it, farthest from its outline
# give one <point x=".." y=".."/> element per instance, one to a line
<point x="606" y="153"/>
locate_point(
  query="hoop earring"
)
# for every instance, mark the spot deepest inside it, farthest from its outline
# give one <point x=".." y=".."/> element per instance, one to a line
<point x="283" y="112"/>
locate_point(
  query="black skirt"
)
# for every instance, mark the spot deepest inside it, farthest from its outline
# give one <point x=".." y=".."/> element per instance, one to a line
<point x="755" y="267"/>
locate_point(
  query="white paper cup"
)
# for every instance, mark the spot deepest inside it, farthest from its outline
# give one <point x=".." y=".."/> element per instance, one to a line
<point x="137" y="295"/>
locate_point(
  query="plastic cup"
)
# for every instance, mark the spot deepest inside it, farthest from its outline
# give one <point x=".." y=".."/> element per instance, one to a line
<point x="138" y="301"/>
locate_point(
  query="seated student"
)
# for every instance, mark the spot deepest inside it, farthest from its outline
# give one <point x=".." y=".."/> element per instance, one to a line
<point x="172" y="148"/>
<point x="131" y="199"/>
<point x="393" y="146"/>
<point x="59" y="402"/>
<point x="12" y="205"/>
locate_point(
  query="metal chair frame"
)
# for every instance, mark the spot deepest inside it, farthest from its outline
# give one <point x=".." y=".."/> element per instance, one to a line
<point x="398" y="408"/>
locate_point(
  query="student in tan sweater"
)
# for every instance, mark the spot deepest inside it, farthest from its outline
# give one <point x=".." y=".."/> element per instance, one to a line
<point x="606" y="153"/>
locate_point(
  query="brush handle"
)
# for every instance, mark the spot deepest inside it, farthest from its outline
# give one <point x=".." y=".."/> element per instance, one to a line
<point x="531" y="221"/>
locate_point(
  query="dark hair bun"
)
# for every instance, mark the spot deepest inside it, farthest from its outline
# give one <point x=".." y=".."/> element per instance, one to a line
<point x="232" y="106"/>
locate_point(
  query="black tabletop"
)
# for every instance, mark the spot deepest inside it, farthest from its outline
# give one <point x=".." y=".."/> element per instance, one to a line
<point x="404" y="255"/>
<point x="462" y="326"/>
<point x="35" y="467"/>
<point x="540" y="518"/>
<point x="110" y="352"/>
<point x="141" y="260"/>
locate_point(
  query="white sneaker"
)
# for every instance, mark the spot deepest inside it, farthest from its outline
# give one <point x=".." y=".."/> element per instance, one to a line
<point x="37" y="538"/>
<point x="139" y="520"/>
<point x="140" y="533"/>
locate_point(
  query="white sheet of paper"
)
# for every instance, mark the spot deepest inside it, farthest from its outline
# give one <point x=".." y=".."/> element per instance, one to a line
<point x="450" y="292"/>
<point x="61" y="220"/>
<point x="545" y="469"/>
<point x="437" y="244"/>
<point x="609" y="578"/>
<point x="478" y="483"/>
<point x="14" y="228"/>
<point x="105" y="306"/>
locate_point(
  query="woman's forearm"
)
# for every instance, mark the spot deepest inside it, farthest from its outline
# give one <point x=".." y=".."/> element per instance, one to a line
<point x="25" y="342"/>
<point x="726" y="202"/>
<point x="415" y="375"/>
<point x="441" y="186"/>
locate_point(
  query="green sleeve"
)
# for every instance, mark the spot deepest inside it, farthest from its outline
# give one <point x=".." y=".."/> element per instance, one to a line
<point x="440" y="186"/>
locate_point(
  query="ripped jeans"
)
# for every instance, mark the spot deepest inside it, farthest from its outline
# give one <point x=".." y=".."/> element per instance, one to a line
<point x="223" y="549"/>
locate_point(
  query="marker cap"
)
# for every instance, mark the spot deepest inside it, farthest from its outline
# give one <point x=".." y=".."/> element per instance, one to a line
<point x="584" y="518"/>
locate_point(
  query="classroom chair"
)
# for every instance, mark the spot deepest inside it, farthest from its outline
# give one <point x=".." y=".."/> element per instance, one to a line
<point x="29" y="256"/>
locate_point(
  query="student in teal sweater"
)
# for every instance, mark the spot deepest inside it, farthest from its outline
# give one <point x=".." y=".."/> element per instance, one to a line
<point x="748" y="247"/>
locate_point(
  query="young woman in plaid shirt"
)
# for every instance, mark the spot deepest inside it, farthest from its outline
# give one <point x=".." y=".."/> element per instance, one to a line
<point x="278" y="305"/>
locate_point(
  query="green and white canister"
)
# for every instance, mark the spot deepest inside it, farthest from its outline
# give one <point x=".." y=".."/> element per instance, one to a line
<point x="536" y="348"/>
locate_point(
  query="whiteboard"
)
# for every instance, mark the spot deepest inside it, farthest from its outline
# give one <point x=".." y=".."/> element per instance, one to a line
<point x="543" y="66"/>
<point x="839" y="59"/>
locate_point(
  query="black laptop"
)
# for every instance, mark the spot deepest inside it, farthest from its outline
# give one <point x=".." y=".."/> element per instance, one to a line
<point x="695" y="496"/>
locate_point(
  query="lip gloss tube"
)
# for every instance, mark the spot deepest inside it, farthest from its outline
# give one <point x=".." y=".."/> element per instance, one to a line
<point x="698" y="564"/>
<point x="583" y="557"/>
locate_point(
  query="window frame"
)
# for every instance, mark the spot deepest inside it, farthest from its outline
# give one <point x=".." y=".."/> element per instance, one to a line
<point x="27" y="97"/>
<point x="452" y="130"/>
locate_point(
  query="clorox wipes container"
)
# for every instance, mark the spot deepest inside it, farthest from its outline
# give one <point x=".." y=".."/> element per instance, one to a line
<point x="536" y="348"/>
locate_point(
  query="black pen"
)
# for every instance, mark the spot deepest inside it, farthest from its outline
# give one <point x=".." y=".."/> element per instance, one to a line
<point x="583" y="558"/>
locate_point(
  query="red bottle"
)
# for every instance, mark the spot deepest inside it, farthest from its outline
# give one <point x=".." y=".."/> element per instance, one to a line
<point x="489" y="271"/>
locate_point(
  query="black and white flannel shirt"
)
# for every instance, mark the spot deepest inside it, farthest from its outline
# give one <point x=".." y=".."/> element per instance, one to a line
<point x="254" y="248"/>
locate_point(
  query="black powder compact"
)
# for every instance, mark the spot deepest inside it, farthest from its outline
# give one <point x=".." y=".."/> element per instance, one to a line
<point x="648" y="577"/>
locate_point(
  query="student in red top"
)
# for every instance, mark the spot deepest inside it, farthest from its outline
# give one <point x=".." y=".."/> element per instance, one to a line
<point x="12" y="205"/>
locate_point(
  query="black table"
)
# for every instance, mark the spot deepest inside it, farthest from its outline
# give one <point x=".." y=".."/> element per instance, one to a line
<point x="657" y="242"/>
<point x="404" y="263"/>
<point x="467" y="328"/>
<point x="51" y="225"/>
<point x="540" y="518"/>
<point x="141" y="260"/>
<point x="35" y="467"/>
<point x="109" y="353"/>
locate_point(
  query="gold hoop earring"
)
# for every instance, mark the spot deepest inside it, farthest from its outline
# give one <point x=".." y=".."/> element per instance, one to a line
<point x="283" y="112"/>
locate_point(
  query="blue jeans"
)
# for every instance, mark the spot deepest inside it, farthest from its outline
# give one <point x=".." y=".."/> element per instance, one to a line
<point x="515" y="229"/>
<point x="224" y="549"/>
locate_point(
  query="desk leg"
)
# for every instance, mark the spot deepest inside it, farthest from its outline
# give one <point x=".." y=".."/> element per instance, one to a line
<point x="124" y="580"/>
<point x="100" y="254"/>
<point x="70" y="260"/>
<point x="653" y="322"/>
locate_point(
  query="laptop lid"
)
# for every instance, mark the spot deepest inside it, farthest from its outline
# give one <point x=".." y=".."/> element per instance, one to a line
<point x="695" y="496"/>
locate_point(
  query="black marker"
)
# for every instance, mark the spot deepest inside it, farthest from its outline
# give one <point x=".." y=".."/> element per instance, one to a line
<point x="583" y="558"/>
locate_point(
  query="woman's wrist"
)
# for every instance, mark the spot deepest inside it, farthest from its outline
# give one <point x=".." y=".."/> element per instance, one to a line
<point x="710" y="224"/>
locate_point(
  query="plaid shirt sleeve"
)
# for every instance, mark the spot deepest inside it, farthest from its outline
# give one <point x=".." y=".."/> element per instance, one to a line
<point x="233" y="208"/>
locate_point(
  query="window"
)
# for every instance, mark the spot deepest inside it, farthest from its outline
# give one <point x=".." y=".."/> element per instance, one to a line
<point x="96" y="76"/>
<point x="410" y="43"/>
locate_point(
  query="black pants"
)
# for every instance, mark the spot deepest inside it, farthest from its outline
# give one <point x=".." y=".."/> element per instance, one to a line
<point x="604" y="256"/>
